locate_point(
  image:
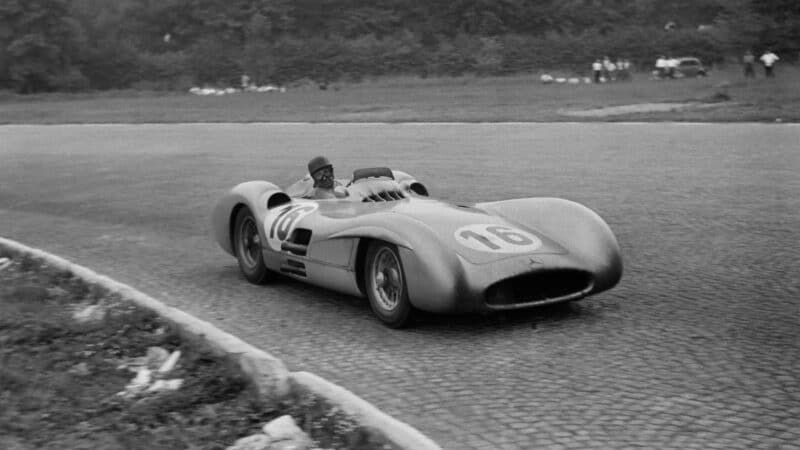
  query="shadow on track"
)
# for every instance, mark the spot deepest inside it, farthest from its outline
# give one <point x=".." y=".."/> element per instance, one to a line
<point x="347" y="307"/>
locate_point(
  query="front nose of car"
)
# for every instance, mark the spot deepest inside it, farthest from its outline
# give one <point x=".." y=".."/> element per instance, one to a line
<point x="528" y="280"/>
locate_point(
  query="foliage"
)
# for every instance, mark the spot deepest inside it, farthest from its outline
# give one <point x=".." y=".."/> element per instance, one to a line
<point x="40" y="45"/>
<point x="97" y="44"/>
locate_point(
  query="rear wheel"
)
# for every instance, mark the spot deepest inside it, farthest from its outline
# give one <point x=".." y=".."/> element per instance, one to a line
<point x="247" y="244"/>
<point x="386" y="285"/>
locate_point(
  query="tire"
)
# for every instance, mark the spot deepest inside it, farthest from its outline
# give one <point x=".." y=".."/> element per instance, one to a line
<point x="247" y="245"/>
<point x="386" y="286"/>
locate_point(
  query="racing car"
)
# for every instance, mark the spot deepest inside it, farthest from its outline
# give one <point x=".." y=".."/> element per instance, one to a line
<point x="387" y="240"/>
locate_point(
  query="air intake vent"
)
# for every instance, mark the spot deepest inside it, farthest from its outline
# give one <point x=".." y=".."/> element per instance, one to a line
<point x="294" y="268"/>
<point x="385" y="196"/>
<point x="548" y="286"/>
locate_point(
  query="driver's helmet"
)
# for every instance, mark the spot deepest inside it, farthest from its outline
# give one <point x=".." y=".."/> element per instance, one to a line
<point x="318" y="163"/>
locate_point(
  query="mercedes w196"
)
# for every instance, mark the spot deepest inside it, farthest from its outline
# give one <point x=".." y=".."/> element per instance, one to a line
<point x="387" y="240"/>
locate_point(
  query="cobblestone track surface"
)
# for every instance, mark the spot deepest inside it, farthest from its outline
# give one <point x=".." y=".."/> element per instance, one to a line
<point x="696" y="348"/>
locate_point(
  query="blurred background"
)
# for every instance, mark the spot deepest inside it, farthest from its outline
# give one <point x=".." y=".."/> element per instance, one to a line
<point x="79" y="45"/>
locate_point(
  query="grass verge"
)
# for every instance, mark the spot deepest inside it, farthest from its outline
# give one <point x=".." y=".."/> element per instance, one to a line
<point x="60" y="378"/>
<point x="409" y="99"/>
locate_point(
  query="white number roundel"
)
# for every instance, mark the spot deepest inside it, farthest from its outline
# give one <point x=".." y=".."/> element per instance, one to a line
<point x="279" y="222"/>
<point x="496" y="238"/>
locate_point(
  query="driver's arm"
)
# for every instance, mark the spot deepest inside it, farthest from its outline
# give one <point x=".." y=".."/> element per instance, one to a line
<point x="340" y="191"/>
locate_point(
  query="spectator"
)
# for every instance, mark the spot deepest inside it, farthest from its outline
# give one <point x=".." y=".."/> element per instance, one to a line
<point x="672" y="67"/>
<point x="661" y="67"/>
<point x="627" y="66"/>
<point x="622" y="72"/>
<point x="609" y="68"/>
<point x="597" y="70"/>
<point x="749" y="62"/>
<point x="769" y="59"/>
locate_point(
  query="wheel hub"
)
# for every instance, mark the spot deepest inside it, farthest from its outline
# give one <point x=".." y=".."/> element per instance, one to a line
<point x="388" y="278"/>
<point x="380" y="279"/>
<point x="250" y="243"/>
<point x="388" y="283"/>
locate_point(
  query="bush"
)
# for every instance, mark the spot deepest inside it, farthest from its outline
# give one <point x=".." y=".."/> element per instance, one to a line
<point x="258" y="62"/>
<point x="211" y="61"/>
<point x="112" y="65"/>
<point x="71" y="80"/>
<point x="164" y="71"/>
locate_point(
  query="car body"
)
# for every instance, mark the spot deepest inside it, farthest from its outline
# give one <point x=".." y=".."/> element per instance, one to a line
<point x="690" y="67"/>
<point x="387" y="236"/>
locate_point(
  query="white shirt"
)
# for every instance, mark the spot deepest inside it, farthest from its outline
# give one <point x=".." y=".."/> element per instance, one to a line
<point x="769" y="59"/>
<point x="661" y="62"/>
<point x="596" y="66"/>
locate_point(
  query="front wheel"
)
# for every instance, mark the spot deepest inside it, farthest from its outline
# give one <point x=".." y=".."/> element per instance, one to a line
<point x="386" y="285"/>
<point x="247" y="244"/>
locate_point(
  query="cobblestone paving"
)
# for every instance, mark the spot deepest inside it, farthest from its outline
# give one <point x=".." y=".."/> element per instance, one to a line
<point x="698" y="347"/>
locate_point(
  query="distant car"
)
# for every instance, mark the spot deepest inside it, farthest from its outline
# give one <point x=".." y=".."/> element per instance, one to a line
<point x="388" y="241"/>
<point x="690" y="67"/>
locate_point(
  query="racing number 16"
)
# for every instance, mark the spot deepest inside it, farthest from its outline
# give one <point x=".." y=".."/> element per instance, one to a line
<point x="504" y="233"/>
<point x="286" y="219"/>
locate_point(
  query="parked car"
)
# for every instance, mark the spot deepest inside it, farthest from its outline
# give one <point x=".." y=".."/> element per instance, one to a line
<point x="690" y="67"/>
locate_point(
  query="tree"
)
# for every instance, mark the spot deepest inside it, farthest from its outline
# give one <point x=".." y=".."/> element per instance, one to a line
<point x="43" y="47"/>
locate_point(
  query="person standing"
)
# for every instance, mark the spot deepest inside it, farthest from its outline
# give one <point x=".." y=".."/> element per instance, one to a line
<point x="672" y="67"/>
<point x="597" y="70"/>
<point x="626" y="65"/>
<point x="749" y="61"/>
<point x="661" y="67"/>
<point x="609" y="68"/>
<point x="769" y="59"/>
<point x="622" y="73"/>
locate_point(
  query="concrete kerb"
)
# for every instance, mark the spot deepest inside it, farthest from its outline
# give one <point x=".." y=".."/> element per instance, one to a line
<point x="268" y="373"/>
<point x="396" y="432"/>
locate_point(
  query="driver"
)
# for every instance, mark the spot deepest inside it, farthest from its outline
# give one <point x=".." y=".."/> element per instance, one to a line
<point x="321" y="171"/>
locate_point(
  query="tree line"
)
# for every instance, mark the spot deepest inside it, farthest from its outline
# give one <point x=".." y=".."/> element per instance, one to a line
<point x="73" y="45"/>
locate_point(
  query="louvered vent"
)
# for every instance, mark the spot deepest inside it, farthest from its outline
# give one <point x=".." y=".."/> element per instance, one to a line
<point x="385" y="196"/>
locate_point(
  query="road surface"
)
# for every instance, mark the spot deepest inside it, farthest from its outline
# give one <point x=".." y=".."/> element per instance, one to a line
<point x="698" y="347"/>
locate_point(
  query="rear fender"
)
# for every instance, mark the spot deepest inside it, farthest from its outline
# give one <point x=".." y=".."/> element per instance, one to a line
<point x="258" y="196"/>
<point x="409" y="183"/>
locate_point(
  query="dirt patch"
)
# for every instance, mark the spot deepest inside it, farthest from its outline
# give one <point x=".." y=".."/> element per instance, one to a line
<point x="636" y="108"/>
<point x="64" y="380"/>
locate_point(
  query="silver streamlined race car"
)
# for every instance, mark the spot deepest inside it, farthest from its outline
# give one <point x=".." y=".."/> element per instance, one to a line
<point x="388" y="241"/>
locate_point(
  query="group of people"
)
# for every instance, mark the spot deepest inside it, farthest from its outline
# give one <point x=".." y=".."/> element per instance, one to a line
<point x="768" y="60"/>
<point x="666" y="67"/>
<point x="604" y="70"/>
